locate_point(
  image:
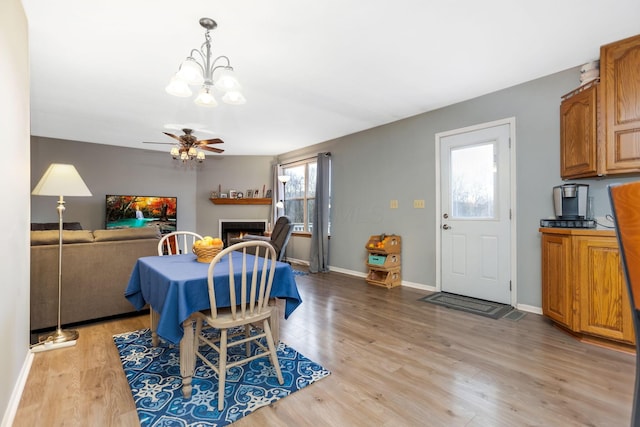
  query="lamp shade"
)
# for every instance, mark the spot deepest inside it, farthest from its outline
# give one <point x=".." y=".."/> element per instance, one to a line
<point x="284" y="178"/>
<point x="61" y="180"/>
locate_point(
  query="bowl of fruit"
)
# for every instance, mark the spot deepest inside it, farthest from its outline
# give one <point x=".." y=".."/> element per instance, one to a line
<point x="207" y="248"/>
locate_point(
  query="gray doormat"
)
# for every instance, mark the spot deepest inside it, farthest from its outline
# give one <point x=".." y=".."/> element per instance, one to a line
<point x="484" y="308"/>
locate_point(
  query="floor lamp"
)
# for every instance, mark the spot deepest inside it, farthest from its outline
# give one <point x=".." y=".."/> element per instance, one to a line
<point x="60" y="180"/>
<point x="283" y="179"/>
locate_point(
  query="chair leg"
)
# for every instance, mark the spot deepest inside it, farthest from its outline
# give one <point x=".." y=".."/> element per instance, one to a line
<point x="247" y="333"/>
<point x="196" y="338"/>
<point x="273" y="355"/>
<point x="222" y="363"/>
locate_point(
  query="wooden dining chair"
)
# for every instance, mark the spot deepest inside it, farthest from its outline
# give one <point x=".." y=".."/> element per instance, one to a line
<point x="625" y="203"/>
<point x="249" y="304"/>
<point x="174" y="243"/>
<point x="177" y="242"/>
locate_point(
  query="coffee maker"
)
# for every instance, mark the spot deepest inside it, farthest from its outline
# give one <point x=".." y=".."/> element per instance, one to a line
<point x="570" y="201"/>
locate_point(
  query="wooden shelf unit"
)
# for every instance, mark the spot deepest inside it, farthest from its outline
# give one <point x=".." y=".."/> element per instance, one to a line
<point x="242" y="201"/>
<point x="384" y="261"/>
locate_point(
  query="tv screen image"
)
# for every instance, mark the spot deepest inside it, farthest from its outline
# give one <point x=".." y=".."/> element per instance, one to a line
<point x="141" y="211"/>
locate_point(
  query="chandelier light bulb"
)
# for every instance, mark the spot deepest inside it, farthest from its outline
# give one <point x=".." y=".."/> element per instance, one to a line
<point x="190" y="72"/>
<point x="178" y="87"/>
<point x="205" y="98"/>
<point x="227" y="81"/>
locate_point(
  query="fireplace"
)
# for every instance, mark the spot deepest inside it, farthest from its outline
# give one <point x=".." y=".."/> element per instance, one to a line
<point x="233" y="228"/>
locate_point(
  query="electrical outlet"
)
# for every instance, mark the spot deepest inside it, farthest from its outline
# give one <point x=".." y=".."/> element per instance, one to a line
<point x="418" y="204"/>
<point x="393" y="204"/>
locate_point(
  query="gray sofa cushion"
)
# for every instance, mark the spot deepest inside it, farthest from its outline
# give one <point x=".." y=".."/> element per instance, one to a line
<point x="52" y="237"/>
<point x="125" y="234"/>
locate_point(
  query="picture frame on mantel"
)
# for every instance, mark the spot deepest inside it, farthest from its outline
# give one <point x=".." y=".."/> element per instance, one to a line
<point x="256" y="194"/>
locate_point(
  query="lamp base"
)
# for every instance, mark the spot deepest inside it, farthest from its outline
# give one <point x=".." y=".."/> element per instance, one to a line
<point x="59" y="336"/>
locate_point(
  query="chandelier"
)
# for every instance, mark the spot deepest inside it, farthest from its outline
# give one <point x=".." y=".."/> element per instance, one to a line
<point x="199" y="68"/>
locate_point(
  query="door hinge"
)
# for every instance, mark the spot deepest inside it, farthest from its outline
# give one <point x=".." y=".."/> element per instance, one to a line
<point x="510" y="214"/>
<point x="509" y="142"/>
<point x="510" y="285"/>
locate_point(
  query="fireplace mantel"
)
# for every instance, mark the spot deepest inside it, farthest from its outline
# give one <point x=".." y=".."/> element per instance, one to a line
<point x="241" y="201"/>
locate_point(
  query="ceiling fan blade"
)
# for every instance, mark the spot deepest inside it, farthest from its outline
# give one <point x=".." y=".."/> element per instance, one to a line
<point x="167" y="143"/>
<point x="210" y="141"/>
<point x="172" y="136"/>
<point x="215" y="150"/>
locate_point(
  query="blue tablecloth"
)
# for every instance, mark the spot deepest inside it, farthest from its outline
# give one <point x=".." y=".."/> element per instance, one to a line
<point x="176" y="286"/>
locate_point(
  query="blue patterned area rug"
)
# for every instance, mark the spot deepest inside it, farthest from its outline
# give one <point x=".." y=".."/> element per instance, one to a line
<point x="153" y="374"/>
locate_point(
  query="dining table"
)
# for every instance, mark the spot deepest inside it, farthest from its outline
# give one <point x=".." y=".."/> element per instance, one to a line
<point x="176" y="286"/>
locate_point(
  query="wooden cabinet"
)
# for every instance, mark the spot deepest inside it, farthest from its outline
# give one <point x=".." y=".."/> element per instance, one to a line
<point x="557" y="291"/>
<point x="600" y="122"/>
<point x="619" y="65"/>
<point x="603" y="298"/>
<point x="583" y="285"/>
<point x="384" y="260"/>
<point x="579" y="115"/>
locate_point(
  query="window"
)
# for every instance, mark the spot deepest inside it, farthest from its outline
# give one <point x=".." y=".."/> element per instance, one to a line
<point x="300" y="193"/>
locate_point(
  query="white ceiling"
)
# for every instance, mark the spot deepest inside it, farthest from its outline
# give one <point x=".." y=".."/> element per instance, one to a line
<point x="311" y="71"/>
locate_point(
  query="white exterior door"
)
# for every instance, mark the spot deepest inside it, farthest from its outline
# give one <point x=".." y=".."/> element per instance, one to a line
<point x="475" y="208"/>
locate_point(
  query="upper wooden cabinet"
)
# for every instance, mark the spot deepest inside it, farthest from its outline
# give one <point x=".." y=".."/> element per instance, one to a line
<point x="619" y="71"/>
<point x="600" y="123"/>
<point x="579" y="115"/>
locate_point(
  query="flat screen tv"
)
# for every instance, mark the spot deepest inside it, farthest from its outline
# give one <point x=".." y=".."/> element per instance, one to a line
<point x="142" y="211"/>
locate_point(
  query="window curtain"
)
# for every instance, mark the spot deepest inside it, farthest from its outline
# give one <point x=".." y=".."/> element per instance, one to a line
<point x="319" y="254"/>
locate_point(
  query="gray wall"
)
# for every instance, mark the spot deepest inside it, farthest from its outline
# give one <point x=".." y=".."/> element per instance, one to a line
<point x="14" y="216"/>
<point x="110" y="170"/>
<point x="397" y="161"/>
<point x="239" y="173"/>
<point x="394" y="161"/>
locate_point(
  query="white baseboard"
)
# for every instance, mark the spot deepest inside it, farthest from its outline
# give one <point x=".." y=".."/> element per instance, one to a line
<point x="421" y="286"/>
<point x="529" y="308"/>
<point x="14" y="401"/>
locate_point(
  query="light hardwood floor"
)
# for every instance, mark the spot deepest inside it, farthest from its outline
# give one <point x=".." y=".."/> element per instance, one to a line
<point x="395" y="361"/>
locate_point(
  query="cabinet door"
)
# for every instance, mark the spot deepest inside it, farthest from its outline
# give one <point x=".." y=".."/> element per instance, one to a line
<point x="604" y="303"/>
<point x="557" y="291"/>
<point x="620" y="81"/>
<point x="578" y="134"/>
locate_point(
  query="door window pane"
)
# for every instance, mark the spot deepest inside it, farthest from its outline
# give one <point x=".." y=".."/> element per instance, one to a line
<point x="473" y="187"/>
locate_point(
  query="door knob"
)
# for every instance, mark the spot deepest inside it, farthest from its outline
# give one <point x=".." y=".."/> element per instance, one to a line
<point x="446" y="227"/>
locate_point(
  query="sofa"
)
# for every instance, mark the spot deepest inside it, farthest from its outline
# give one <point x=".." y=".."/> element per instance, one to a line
<point x="96" y="266"/>
<point x="278" y="238"/>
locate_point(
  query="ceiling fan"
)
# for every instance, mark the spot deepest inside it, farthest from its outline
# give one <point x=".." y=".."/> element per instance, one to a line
<point x="189" y="145"/>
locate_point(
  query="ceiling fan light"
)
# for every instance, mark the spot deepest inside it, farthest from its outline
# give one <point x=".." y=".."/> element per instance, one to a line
<point x="190" y="72"/>
<point x="205" y="98"/>
<point x="234" y="98"/>
<point x="200" y="156"/>
<point x="192" y="151"/>
<point x="178" y="87"/>
<point x="175" y="152"/>
<point x="227" y="81"/>
<point x="184" y="156"/>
